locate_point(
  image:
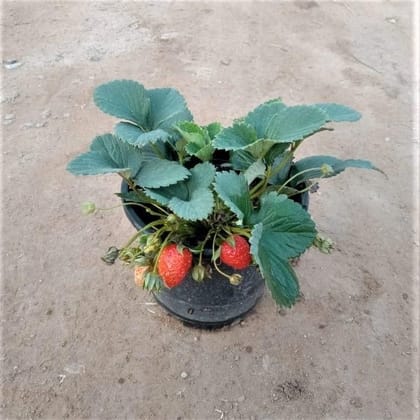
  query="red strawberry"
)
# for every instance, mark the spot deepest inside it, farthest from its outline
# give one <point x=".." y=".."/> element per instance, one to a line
<point x="237" y="256"/>
<point x="173" y="265"/>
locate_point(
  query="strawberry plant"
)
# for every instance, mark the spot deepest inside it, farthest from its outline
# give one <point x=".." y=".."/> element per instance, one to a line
<point x="228" y="192"/>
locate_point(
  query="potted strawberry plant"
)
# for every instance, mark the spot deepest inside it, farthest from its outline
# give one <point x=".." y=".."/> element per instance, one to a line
<point x="219" y="211"/>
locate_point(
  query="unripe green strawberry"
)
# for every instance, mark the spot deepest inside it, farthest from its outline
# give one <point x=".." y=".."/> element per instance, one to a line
<point x="174" y="264"/>
<point x="198" y="273"/>
<point x="237" y="256"/>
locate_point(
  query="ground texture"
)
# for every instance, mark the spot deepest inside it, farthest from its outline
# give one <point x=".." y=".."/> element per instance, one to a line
<point x="79" y="339"/>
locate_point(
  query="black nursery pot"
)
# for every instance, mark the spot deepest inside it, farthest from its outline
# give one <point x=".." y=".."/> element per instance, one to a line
<point x="215" y="302"/>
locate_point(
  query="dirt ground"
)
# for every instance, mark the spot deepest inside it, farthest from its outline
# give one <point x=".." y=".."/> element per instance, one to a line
<point x="79" y="340"/>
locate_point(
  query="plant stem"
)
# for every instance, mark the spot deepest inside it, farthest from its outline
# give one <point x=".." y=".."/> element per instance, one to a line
<point x="137" y="234"/>
<point x="160" y="251"/>
<point x="130" y="204"/>
<point x="200" y="258"/>
<point x="301" y="191"/>
<point x="213" y="252"/>
<point x="262" y="185"/>
<point x="296" y="175"/>
<point x="133" y="187"/>
<point x="288" y="156"/>
<point x="241" y="231"/>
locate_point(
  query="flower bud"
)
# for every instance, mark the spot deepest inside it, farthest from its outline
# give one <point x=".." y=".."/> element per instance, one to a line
<point x="171" y="219"/>
<point x="152" y="244"/>
<point x="88" y="207"/>
<point x="235" y="279"/>
<point x="111" y="255"/>
<point x="198" y="273"/>
<point x="324" y="244"/>
<point x="327" y="170"/>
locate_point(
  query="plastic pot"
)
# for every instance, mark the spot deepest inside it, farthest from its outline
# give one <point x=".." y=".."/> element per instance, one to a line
<point x="214" y="302"/>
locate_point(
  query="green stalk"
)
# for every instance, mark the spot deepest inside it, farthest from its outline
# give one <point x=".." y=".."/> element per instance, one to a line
<point x="296" y="175"/>
<point x="241" y="231"/>
<point x="200" y="258"/>
<point x="137" y="234"/>
<point x="301" y="191"/>
<point x="164" y="243"/>
<point x="262" y="185"/>
<point x="214" y="261"/>
<point x="132" y="185"/>
<point x="283" y="163"/>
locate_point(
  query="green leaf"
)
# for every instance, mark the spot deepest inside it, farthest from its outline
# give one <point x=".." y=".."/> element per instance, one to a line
<point x="285" y="160"/>
<point x="280" y="278"/>
<point x="168" y="107"/>
<point x="202" y="175"/>
<point x="282" y="230"/>
<point x="191" y="199"/>
<point x="269" y="124"/>
<point x="153" y="112"/>
<point x="275" y="153"/>
<point x="256" y="170"/>
<point x="338" y="166"/>
<point x="260" y="148"/>
<point x="165" y="194"/>
<point x="128" y="132"/>
<point x="233" y="190"/>
<point x="158" y="173"/>
<point x="134" y="197"/>
<point x="242" y="160"/>
<point x="295" y="123"/>
<point x="278" y="275"/>
<point x="107" y="154"/>
<point x="287" y="227"/>
<point x="197" y="207"/>
<point x="125" y="99"/>
<point x="197" y="140"/>
<point x="213" y="129"/>
<point x="239" y="136"/>
<point x="338" y="113"/>
<point x="191" y="132"/>
<point x="261" y="116"/>
<point x="203" y="153"/>
<point x="137" y="137"/>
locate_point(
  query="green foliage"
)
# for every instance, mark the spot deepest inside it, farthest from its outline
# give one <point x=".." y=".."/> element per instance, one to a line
<point x="191" y="199"/>
<point x="233" y="191"/>
<point x="260" y="118"/>
<point x="315" y="163"/>
<point x="339" y="113"/>
<point x="295" y="123"/>
<point x="158" y="173"/>
<point x="254" y="171"/>
<point x="282" y="230"/>
<point x="270" y="124"/>
<point x="206" y="183"/>
<point x="239" y="136"/>
<point x="197" y="140"/>
<point x="136" y="136"/>
<point x="125" y="99"/>
<point x="151" y="113"/>
<point x="286" y="226"/>
<point x="106" y="155"/>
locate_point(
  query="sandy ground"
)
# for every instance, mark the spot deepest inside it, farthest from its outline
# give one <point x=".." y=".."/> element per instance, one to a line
<point x="78" y="338"/>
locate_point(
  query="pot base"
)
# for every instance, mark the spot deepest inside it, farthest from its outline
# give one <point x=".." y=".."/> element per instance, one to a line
<point x="214" y="303"/>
